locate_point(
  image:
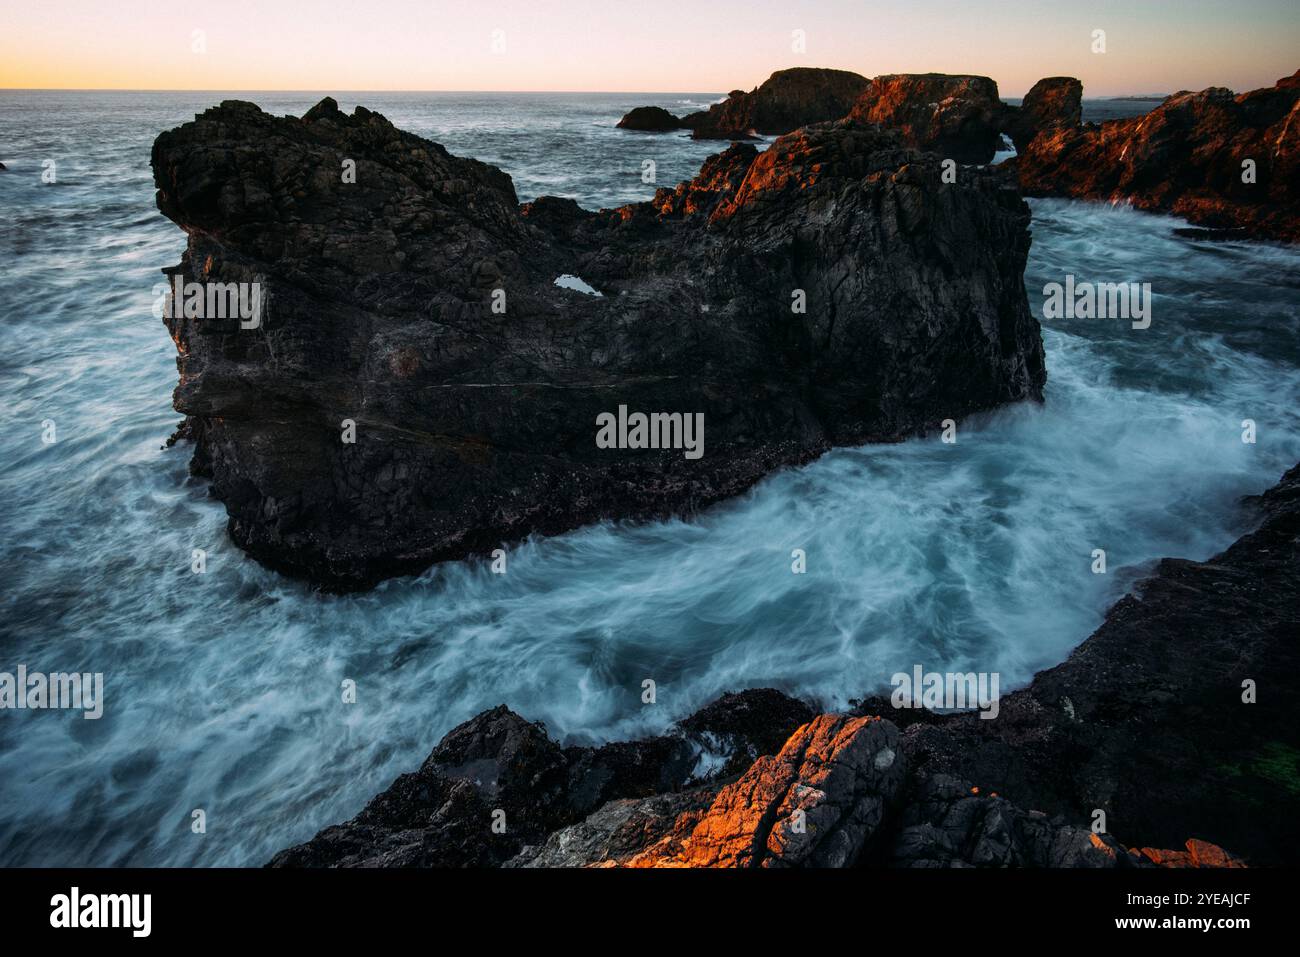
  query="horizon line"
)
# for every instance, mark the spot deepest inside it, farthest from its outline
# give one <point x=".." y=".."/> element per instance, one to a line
<point x="324" y="92"/>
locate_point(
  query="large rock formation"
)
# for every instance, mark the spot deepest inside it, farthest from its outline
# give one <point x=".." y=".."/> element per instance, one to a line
<point x="1223" y="161"/>
<point x="1147" y="721"/>
<point x="958" y="117"/>
<point x="785" y="101"/>
<point x="1054" y="102"/>
<point x="417" y="387"/>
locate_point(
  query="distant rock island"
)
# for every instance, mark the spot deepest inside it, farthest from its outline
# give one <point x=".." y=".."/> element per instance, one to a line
<point x="1224" y="161"/>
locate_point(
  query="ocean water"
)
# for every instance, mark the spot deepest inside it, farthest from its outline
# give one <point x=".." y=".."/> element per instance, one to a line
<point x="223" y="690"/>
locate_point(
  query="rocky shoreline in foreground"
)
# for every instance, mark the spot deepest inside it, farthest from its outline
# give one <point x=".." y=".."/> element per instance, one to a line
<point x="1146" y="722"/>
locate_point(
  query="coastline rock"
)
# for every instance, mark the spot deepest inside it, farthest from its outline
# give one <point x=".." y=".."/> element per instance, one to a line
<point x="620" y="830"/>
<point x="958" y="117"/>
<point x="1198" y="854"/>
<point x="1054" y="102"/>
<point x="785" y="101"/>
<point x="1187" y="157"/>
<point x="1146" y="719"/>
<point x="442" y="814"/>
<point x="417" y="388"/>
<point x="946" y="825"/>
<point x="818" y="803"/>
<point x="650" y="119"/>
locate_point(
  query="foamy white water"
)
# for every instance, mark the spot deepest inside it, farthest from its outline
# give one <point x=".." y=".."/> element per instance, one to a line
<point x="223" y="690"/>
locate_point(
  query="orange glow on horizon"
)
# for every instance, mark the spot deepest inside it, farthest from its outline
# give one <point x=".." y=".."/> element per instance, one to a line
<point x="585" y="45"/>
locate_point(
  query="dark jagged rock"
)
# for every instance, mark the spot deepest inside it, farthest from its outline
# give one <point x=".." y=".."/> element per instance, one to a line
<point x="442" y="814"/>
<point x="748" y="724"/>
<point x="1054" y="102"/>
<point x="946" y="825"/>
<point x="474" y="427"/>
<point x="620" y="830"/>
<point x="958" y="117"/>
<point x="650" y="119"/>
<point x="1146" y="719"/>
<point x="1185" y="157"/>
<point x="785" y="101"/>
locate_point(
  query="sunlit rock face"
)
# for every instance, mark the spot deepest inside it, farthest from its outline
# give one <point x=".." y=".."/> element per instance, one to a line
<point x="958" y="117"/>
<point x="417" y="386"/>
<point x="817" y="803"/>
<point x="1053" y="102"/>
<point x="785" y="101"/>
<point x="1224" y="161"/>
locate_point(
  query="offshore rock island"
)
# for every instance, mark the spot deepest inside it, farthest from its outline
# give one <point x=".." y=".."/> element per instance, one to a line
<point x="830" y="290"/>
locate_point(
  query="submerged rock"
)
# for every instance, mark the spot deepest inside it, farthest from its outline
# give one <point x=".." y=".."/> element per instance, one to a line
<point x="1221" y="160"/>
<point x="415" y="387"/>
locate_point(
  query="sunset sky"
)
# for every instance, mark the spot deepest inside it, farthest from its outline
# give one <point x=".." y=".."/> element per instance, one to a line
<point x="622" y="45"/>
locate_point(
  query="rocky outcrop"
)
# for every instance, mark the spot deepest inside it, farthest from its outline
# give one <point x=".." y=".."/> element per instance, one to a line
<point x="416" y="387"/>
<point x="650" y="119"/>
<point x="1223" y="161"/>
<point x="1148" y="722"/>
<point x="818" y="803"/>
<point x="958" y="117"/>
<point x="1053" y="103"/>
<point x="785" y="101"/>
<point x="498" y="783"/>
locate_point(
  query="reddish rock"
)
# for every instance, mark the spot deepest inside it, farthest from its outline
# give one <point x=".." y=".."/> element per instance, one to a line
<point x="1145" y="720"/>
<point x="958" y="117"/>
<point x="787" y="100"/>
<point x="1185" y="157"/>
<point x="1198" y="854"/>
<point x="1053" y="103"/>
<point x="817" y="803"/>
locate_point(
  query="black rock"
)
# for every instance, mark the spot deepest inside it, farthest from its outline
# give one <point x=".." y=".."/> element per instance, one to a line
<point x="474" y="427"/>
<point x="650" y="119"/>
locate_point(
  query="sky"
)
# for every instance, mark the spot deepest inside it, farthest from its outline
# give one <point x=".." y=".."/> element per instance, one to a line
<point x="698" y="46"/>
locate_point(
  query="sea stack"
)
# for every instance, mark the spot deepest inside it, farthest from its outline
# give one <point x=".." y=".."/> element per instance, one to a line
<point x="417" y="387"/>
